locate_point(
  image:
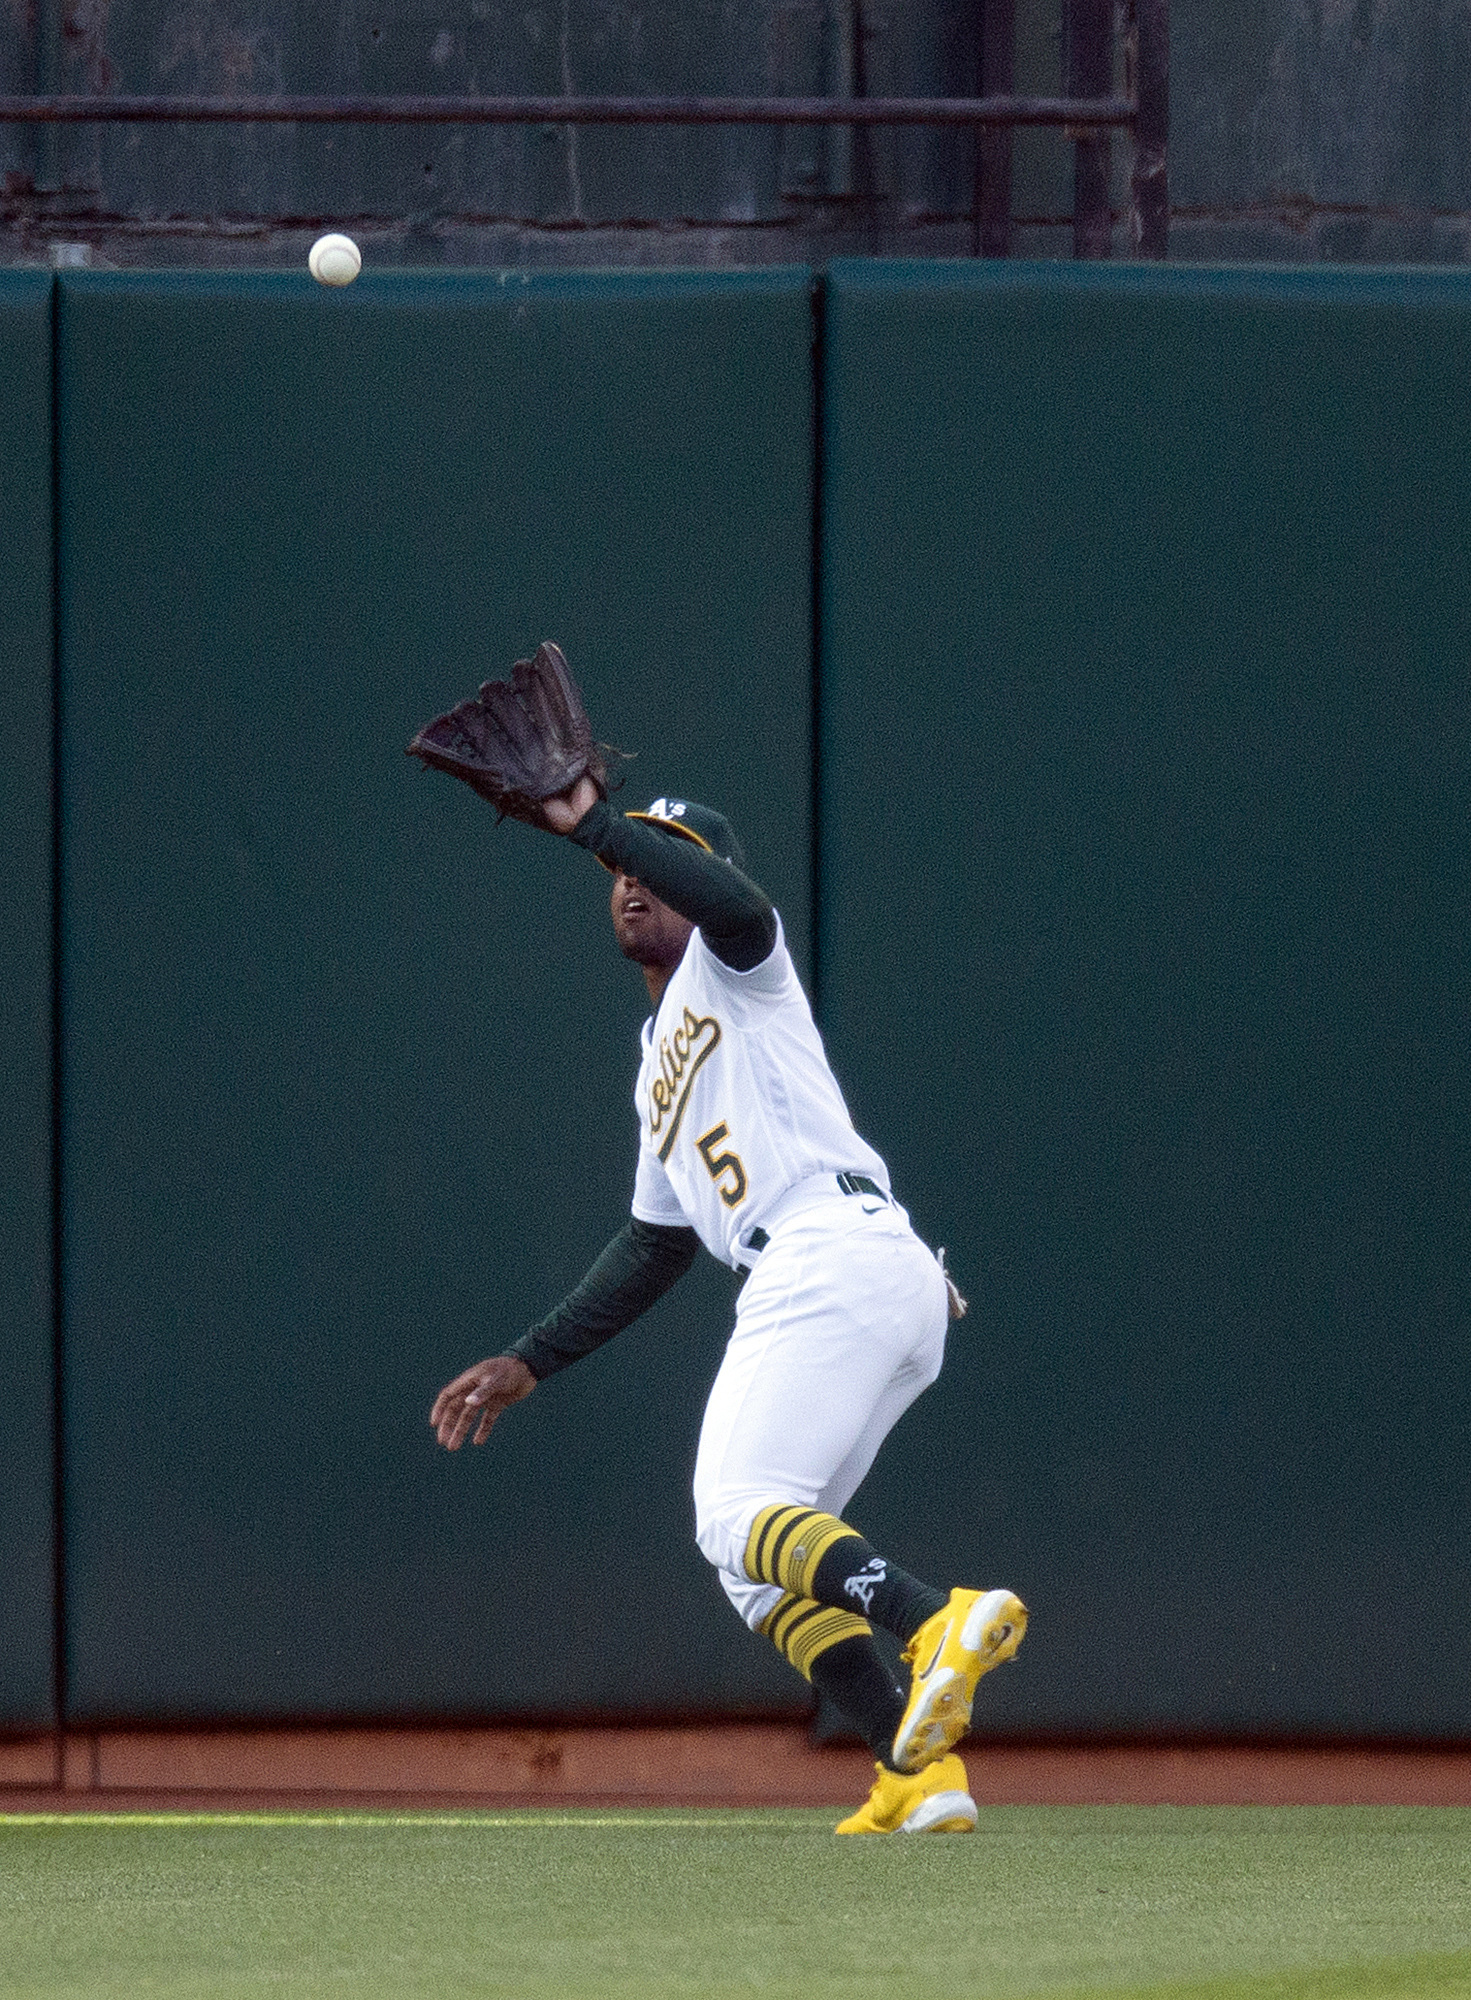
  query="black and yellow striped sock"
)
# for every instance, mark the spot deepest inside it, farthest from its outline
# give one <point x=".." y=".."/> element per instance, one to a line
<point x="803" y="1630"/>
<point x="815" y="1555"/>
<point x="835" y="1651"/>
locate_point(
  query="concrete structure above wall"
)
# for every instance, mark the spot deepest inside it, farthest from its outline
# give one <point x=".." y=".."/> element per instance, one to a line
<point x="538" y="195"/>
<point x="1300" y="132"/>
<point x="1306" y="133"/>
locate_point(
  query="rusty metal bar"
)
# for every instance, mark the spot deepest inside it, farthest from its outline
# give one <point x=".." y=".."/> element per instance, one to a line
<point x="994" y="146"/>
<point x="1088" y="66"/>
<point x="980" y="111"/>
<point x="1149" y="52"/>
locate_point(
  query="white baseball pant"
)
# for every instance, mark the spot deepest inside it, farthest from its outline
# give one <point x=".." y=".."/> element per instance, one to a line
<point x="839" y="1327"/>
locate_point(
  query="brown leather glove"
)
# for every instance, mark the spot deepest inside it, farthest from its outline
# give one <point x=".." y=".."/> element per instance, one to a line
<point x="519" y="742"/>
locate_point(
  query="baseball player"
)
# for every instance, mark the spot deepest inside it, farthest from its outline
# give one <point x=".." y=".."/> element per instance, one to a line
<point x="746" y="1147"/>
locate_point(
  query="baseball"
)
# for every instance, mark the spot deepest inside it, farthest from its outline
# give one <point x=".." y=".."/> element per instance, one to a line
<point x="334" y="260"/>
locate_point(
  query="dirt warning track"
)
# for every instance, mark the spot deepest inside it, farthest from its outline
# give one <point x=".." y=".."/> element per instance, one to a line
<point x="677" y="1764"/>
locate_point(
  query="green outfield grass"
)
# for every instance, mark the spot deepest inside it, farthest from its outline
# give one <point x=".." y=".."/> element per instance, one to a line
<point x="1217" y="1903"/>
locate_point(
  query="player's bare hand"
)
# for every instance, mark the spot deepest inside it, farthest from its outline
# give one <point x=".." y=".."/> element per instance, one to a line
<point x="483" y="1391"/>
<point x="563" y="812"/>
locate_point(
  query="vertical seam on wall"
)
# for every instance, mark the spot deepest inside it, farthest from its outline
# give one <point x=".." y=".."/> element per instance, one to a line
<point x="814" y="891"/>
<point x="58" y="1373"/>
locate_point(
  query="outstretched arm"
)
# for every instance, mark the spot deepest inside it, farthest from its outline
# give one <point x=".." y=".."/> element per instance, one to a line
<point x="637" y="1268"/>
<point x="635" y="1271"/>
<point x="734" y="915"/>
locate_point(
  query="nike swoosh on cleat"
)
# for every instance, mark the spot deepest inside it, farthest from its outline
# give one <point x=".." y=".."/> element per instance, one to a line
<point x="925" y="1671"/>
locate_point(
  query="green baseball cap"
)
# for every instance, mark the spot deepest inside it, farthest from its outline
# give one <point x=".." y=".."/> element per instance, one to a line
<point x="701" y="824"/>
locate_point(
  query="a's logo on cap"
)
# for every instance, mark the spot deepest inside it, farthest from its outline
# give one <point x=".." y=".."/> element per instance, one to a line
<point x="666" y="809"/>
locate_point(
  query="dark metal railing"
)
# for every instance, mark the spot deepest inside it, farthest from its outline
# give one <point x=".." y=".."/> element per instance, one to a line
<point x="1088" y="113"/>
<point x="569" y="110"/>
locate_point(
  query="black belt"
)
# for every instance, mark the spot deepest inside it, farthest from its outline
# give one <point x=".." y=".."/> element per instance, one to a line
<point x="758" y="1239"/>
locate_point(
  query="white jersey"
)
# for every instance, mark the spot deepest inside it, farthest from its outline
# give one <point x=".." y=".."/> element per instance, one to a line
<point x="736" y="1103"/>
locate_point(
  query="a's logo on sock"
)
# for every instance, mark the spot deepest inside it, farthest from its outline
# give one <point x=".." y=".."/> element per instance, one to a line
<point x="862" y="1586"/>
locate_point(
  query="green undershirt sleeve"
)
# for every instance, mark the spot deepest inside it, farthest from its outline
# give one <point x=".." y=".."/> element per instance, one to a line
<point x="640" y="1264"/>
<point x="733" y="914"/>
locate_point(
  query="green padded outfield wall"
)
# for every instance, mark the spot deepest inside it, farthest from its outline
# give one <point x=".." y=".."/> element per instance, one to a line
<point x="349" y="1090"/>
<point x="26" y="1624"/>
<point x="1146" y="688"/>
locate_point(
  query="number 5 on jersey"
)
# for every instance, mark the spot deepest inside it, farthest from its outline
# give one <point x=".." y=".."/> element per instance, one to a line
<point x="720" y="1164"/>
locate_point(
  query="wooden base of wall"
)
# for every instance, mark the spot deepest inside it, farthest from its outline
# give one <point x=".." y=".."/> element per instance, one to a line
<point x="732" y="1764"/>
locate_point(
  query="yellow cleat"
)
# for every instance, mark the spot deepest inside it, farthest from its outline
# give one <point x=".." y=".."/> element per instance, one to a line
<point x="976" y="1631"/>
<point x="937" y="1800"/>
